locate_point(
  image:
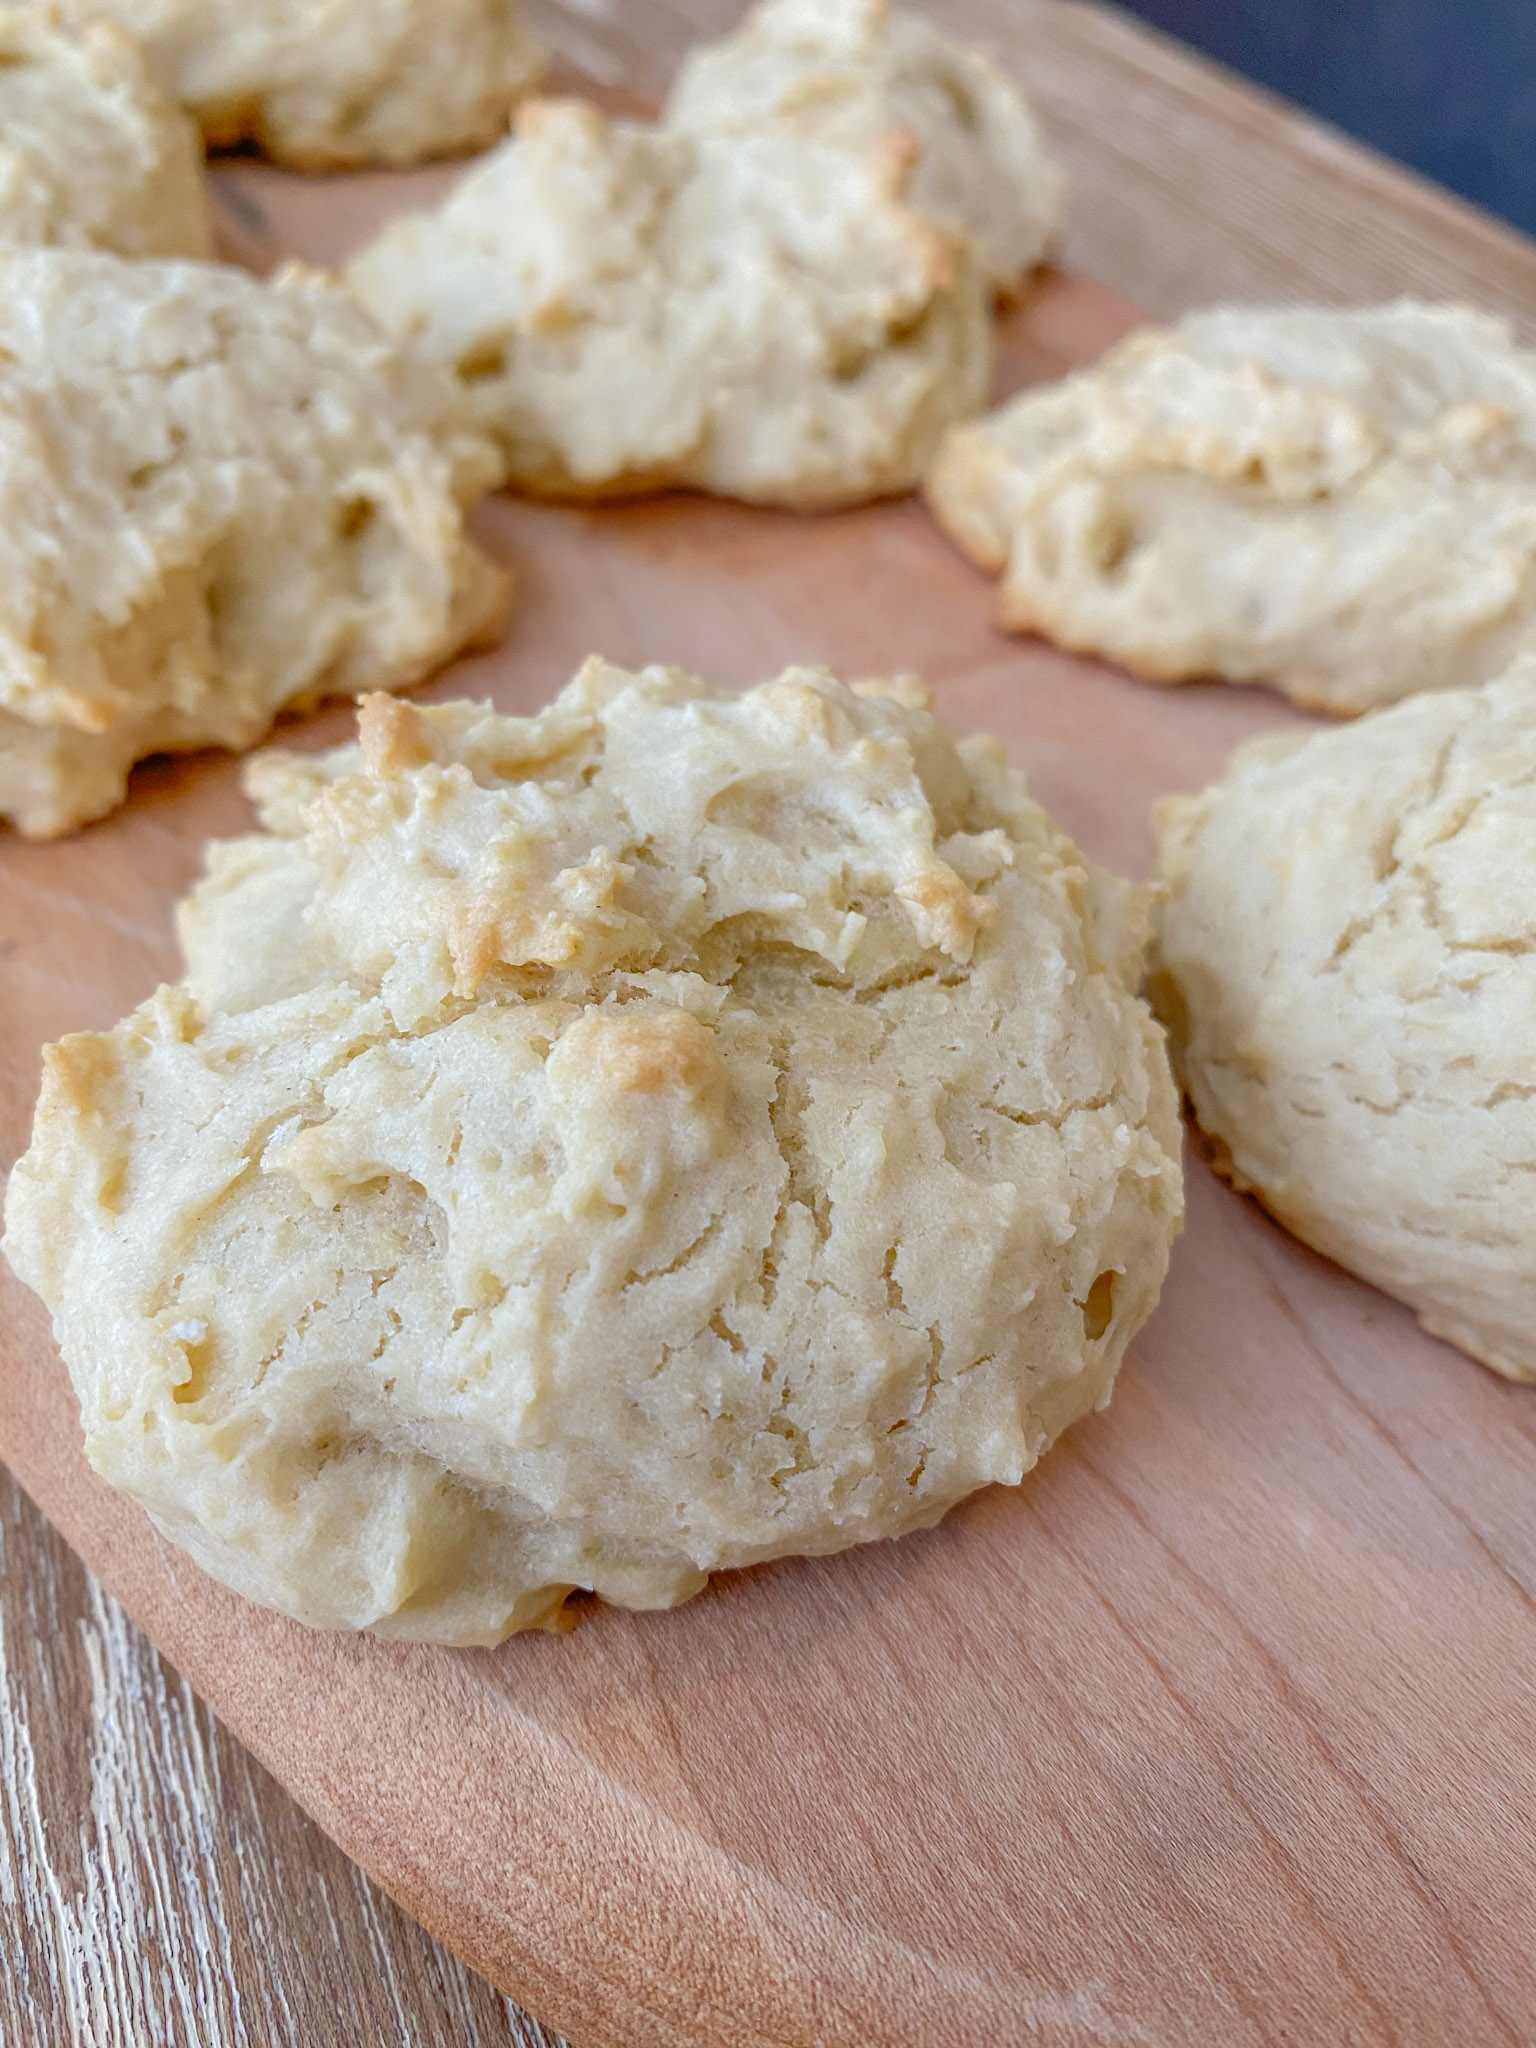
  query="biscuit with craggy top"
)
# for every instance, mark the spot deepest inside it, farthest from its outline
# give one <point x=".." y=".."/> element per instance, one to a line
<point x="758" y="316"/>
<point x="92" y="153"/>
<point x="852" y="71"/>
<point x="217" y="498"/>
<point x="597" y="1149"/>
<point x="324" y="84"/>
<point x="1347" y="962"/>
<point x="1340" y="503"/>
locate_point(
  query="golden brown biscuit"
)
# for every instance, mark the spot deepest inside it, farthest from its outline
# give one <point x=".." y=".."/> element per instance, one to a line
<point x="1340" y="503"/>
<point x="604" y="1148"/>
<point x="1347" y="962"/>
<point x="760" y="316"/>
<point x="217" y="498"/>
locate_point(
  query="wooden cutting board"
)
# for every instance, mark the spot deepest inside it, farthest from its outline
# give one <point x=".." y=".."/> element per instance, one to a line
<point x="1222" y="1729"/>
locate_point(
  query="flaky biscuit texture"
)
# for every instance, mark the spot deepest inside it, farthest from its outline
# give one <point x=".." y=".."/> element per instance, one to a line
<point x="326" y="84"/>
<point x="217" y="498"/>
<point x="1340" y="503"/>
<point x="760" y="316"/>
<point x="592" y="1150"/>
<point x="854" y="71"/>
<point x="1347" y="963"/>
<point x="93" y="155"/>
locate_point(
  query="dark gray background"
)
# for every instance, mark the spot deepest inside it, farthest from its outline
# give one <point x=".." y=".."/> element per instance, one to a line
<point x="1448" y="86"/>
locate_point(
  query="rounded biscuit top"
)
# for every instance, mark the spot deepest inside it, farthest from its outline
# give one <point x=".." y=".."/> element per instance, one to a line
<point x="593" y="1150"/>
<point x="1347" y="964"/>
<point x="852" y="71"/>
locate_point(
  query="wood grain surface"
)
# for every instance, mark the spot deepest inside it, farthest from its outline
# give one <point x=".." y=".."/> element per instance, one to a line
<point x="156" y="1887"/>
<point x="1219" y="1731"/>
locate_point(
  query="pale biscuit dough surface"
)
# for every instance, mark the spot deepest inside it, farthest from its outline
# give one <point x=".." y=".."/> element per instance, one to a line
<point x="852" y="71"/>
<point x="1347" y="961"/>
<point x="592" y="1150"/>
<point x="323" y="84"/>
<point x="1340" y="503"/>
<point x="217" y="498"/>
<point x="760" y="316"/>
<point x="92" y="153"/>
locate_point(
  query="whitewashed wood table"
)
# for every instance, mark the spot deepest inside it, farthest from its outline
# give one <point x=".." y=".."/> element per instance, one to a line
<point x="156" y="1886"/>
<point x="157" y="1889"/>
